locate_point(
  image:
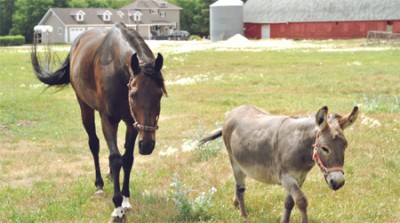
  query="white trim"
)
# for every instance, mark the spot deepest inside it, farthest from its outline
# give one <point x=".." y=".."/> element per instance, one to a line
<point x="46" y="15"/>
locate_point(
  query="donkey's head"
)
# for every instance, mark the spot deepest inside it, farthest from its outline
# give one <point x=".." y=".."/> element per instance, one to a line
<point x="330" y="145"/>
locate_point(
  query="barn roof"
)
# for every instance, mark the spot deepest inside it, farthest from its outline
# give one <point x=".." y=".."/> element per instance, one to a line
<point x="283" y="11"/>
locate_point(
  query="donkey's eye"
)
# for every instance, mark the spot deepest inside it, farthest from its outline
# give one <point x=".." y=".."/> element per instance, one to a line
<point x="325" y="150"/>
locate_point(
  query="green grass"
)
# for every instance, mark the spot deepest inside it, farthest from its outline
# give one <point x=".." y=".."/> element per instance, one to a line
<point x="47" y="173"/>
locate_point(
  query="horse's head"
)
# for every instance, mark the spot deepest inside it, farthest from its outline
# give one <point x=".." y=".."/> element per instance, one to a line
<point x="146" y="88"/>
<point x="330" y="145"/>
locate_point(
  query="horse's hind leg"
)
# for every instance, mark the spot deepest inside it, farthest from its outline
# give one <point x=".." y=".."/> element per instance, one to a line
<point x="239" y="189"/>
<point x="127" y="162"/>
<point x="88" y="121"/>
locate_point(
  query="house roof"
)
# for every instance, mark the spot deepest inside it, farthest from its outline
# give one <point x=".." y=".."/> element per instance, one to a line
<point x="151" y="4"/>
<point x="92" y="16"/>
<point x="283" y="11"/>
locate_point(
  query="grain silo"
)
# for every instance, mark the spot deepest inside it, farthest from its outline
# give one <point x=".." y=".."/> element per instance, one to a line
<point x="226" y="19"/>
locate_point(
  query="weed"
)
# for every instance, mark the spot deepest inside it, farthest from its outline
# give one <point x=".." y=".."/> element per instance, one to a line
<point x="191" y="209"/>
<point x="209" y="150"/>
<point x="381" y="103"/>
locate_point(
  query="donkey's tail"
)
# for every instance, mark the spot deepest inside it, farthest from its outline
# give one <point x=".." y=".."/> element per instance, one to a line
<point x="60" y="77"/>
<point x="216" y="134"/>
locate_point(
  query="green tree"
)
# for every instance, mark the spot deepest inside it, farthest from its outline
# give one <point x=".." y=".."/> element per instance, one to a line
<point x="98" y="3"/>
<point x="27" y="15"/>
<point x="186" y="14"/>
<point x="195" y="15"/>
<point x="201" y="20"/>
<point x="6" y="10"/>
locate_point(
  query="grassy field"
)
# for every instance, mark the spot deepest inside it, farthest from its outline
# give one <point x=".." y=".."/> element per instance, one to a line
<point x="47" y="172"/>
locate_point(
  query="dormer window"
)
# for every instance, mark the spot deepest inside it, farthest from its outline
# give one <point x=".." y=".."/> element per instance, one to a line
<point x="79" y="16"/>
<point x="105" y="15"/>
<point x="137" y="16"/>
<point x="121" y="14"/>
<point x="163" y="5"/>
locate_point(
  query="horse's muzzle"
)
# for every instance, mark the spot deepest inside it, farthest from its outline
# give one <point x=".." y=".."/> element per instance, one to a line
<point x="146" y="147"/>
<point x="335" y="180"/>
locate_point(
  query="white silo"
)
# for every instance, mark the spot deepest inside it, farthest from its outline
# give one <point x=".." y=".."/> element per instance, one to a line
<point x="226" y="19"/>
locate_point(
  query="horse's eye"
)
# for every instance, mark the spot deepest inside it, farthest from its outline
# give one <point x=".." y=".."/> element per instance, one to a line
<point x="325" y="150"/>
<point x="133" y="94"/>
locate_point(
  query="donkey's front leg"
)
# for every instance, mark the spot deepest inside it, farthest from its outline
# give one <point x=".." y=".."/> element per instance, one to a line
<point x="289" y="204"/>
<point x="291" y="185"/>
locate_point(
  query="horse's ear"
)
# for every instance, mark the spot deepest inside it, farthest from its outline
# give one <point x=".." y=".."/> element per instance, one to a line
<point x="321" y="118"/>
<point x="135" y="64"/>
<point x="159" y="62"/>
<point x="349" y="119"/>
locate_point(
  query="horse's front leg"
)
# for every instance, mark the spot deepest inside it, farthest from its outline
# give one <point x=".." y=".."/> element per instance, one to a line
<point x="110" y="127"/>
<point x="293" y="188"/>
<point x="128" y="158"/>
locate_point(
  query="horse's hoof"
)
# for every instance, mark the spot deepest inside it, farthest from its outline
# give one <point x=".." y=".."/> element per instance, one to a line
<point x="99" y="193"/>
<point x="125" y="204"/>
<point x="118" y="215"/>
<point x="117" y="219"/>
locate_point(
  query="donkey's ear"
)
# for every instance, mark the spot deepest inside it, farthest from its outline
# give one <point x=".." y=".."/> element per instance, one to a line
<point x="135" y="64"/>
<point x="159" y="62"/>
<point x="321" y="118"/>
<point x="349" y="119"/>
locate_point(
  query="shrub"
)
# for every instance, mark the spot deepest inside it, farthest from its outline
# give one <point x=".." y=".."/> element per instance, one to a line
<point x="12" y="40"/>
<point x="194" y="37"/>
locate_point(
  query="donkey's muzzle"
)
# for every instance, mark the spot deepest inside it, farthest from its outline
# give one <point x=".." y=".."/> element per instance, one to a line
<point x="146" y="147"/>
<point x="335" y="180"/>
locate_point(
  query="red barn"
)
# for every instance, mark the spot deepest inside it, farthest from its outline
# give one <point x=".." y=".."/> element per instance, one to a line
<point x="319" y="19"/>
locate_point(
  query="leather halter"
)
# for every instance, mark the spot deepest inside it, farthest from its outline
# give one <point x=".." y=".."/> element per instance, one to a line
<point x="136" y="124"/>
<point x="321" y="165"/>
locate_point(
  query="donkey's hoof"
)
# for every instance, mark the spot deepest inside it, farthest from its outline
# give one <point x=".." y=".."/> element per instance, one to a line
<point x="236" y="203"/>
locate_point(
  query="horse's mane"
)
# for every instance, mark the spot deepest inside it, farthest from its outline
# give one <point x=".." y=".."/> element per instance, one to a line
<point x="143" y="51"/>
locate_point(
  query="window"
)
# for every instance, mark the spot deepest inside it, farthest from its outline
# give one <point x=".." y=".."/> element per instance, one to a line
<point x="59" y="31"/>
<point x="162" y="14"/>
<point x="79" y="17"/>
<point x="137" y="16"/>
<point x="153" y="11"/>
<point x="106" y="17"/>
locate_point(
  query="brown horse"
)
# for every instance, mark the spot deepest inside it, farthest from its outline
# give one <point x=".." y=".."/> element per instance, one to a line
<point x="114" y="72"/>
<point x="282" y="150"/>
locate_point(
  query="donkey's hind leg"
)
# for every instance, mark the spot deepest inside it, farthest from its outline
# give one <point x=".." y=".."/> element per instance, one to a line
<point x="88" y="120"/>
<point x="239" y="189"/>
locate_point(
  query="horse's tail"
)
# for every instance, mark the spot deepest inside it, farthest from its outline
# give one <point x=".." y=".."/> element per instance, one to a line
<point x="60" y="77"/>
<point x="216" y="134"/>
